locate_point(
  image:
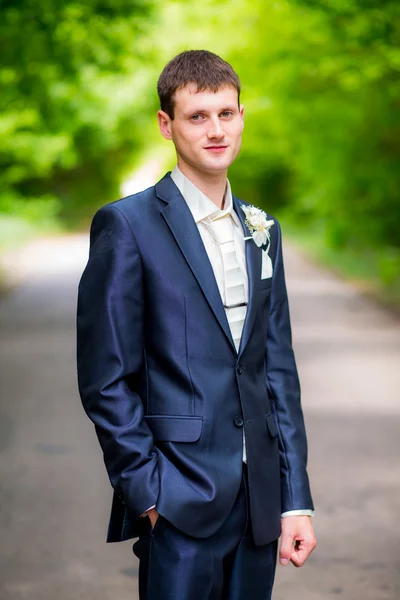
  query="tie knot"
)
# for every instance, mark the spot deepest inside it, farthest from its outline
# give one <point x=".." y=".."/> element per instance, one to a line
<point x="220" y="214"/>
<point x="221" y="229"/>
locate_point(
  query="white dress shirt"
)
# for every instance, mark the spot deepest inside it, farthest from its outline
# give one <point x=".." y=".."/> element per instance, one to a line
<point x="204" y="210"/>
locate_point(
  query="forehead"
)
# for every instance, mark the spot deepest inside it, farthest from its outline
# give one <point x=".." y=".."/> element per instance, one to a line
<point x="189" y="98"/>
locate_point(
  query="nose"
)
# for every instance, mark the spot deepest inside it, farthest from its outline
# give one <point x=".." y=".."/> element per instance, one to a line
<point x="215" y="131"/>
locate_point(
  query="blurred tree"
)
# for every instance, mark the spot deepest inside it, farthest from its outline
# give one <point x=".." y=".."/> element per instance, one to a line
<point x="321" y="89"/>
<point x="74" y="84"/>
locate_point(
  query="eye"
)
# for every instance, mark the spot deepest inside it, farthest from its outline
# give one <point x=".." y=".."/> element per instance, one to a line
<point x="227" y="113"/>
<point x="196" y="117"/>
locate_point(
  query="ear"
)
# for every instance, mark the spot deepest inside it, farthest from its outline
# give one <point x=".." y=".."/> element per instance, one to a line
<point x="241" y="112"/>
<point x="164" y="123"/>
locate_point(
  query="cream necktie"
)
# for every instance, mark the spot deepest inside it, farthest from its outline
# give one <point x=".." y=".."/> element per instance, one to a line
<point x="234" y="293"/>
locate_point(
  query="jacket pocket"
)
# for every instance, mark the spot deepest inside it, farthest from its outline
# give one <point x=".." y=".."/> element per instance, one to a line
<point x="272" y="428"/>
<point x="171" y="428"/>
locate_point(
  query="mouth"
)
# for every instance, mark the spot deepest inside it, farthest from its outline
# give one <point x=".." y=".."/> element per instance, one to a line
<point x="216" y="148"/>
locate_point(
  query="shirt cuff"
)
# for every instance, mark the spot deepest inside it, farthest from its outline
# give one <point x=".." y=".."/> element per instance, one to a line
<point x="144" y="514"/>
<point x="306" y="512"/>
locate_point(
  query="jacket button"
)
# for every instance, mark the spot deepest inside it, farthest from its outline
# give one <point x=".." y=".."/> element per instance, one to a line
<point x="240" y="369"/>
<point x="238" y="421"/>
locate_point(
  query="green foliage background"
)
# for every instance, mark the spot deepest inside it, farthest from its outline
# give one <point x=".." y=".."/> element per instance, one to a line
<point x="321" y="89"/>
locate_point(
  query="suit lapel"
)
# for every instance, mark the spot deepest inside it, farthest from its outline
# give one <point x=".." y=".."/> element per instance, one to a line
<point x="184" y="229"/>
<point x="253" y="264"/>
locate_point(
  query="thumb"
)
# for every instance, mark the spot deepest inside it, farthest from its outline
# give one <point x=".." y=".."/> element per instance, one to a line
<point x="286" y="549"/>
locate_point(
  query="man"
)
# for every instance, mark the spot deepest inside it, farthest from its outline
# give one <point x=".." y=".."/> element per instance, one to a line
<point x="186" y="366"/>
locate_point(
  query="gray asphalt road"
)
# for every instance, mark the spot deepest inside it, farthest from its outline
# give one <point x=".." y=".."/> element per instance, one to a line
<point x="54" y="492"/>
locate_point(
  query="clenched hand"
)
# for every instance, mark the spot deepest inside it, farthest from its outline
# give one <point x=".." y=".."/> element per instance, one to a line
<point x="297" y="540"/>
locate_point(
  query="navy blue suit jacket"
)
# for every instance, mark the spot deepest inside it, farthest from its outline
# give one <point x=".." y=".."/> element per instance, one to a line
<point x="161" y="379"/>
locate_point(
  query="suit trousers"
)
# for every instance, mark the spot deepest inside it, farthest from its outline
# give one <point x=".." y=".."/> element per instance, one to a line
<point x="225" y="566"/>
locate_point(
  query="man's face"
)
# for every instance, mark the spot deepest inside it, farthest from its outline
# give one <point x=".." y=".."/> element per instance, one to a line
<point x="206" y="129"/>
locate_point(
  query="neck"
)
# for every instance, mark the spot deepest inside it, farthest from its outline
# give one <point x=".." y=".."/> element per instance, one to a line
<point x="213" y="185"/>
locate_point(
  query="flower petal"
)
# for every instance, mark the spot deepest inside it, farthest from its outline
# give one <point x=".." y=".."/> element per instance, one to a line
<point x="260" y="238"/>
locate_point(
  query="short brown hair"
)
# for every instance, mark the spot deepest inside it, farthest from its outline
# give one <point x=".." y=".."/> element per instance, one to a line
<point x="201" y="67"/>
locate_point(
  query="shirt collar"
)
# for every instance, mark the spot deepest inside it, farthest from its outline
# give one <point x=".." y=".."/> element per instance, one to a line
<point x="200" y="205"/>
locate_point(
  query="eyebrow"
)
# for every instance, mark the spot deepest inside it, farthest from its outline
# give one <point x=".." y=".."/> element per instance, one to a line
<point x="197" y="111"/>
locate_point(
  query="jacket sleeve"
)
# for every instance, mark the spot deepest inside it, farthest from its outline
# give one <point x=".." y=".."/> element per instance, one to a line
<point x="110" y="357"/>
<point x="284" y="390"/>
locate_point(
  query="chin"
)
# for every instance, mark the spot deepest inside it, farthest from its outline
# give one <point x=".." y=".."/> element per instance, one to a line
<point x="218" y="165"/>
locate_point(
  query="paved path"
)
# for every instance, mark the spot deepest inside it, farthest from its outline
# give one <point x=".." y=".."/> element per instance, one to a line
<point x="54" y="493"/>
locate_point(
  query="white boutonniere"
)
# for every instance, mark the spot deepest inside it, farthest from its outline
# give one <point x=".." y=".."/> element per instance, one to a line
<point x="258" y="224"/>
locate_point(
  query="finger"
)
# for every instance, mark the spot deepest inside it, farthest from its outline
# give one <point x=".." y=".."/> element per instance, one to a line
<point x="286" y="549"/>
<point x="302" y="552"/>
<point x="299" y="558"/>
